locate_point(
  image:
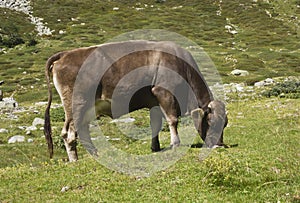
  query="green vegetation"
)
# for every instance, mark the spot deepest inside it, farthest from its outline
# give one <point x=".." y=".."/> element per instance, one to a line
<point x="262" y="168"/>
<point x="290" y="89"/>
<point x="262" y="165"/>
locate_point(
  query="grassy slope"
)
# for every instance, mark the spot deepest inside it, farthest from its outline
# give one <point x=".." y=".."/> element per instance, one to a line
<point x="263" y="167"/>
<point x="267" y="158"/>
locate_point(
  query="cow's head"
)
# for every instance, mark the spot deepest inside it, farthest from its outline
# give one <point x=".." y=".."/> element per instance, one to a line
<point x="210" y="123"/>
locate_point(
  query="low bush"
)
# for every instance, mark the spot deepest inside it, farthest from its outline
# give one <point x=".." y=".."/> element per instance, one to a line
<point x="11" y="40"/>
<point x="289" y="89"/>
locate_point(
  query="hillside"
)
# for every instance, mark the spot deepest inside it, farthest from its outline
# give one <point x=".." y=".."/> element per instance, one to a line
<point x="260" y="37"/>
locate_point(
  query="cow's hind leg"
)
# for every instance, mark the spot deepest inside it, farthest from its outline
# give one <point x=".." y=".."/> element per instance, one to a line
<point x="70" y="139"/>
<point x="156" y="124"/>
<point x="168" y="105"/>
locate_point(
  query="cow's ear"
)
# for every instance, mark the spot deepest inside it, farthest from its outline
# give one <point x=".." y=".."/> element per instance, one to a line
<point x="197" y="116"/>
<point x="217" y="115"/>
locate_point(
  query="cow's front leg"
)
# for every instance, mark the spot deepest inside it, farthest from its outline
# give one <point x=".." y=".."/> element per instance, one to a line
<point x="70" y="140"/>
<point x="173" y="123"/>
<point x="156" y="124"/>
<point x="168" y="106"/>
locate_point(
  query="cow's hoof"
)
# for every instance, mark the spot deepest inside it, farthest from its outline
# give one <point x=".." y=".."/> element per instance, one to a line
<point x="174" y="146"/>
<point x="156" y="149"/>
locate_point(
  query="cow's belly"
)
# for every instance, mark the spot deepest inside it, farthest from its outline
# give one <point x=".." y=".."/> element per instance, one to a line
<point x="125" y="103"/>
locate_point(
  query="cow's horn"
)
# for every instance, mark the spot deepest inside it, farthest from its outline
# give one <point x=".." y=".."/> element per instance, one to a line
<point x="197" y="113"/>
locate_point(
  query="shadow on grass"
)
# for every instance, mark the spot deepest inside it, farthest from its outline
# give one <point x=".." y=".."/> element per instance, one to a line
<point x="200" y="145"/>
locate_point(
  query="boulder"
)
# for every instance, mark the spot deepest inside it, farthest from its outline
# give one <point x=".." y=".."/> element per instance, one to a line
<point x="238" y="72"/>
<point x="8" y="103"/>
<point x="266" y="82"/>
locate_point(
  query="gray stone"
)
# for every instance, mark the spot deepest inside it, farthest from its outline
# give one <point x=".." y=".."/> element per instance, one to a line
<point x="123" y="120"/>
<point x="30" y="140"/>
<point x="16" y="138"/>
<point x="269" y="81"/>
<point x="41" y="103"/>
<point x="8" y="103"/>
<point x="38" y="121"/>
<point x="266" y="82"/>
<point x="259" y="84"/>
<point x="238" y="72"/>
<point x="65" y="189"/>
<point x="2" y="130"/>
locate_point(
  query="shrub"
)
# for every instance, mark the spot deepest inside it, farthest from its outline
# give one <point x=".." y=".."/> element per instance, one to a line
<point x="11" y="40"/>
<point x="290" y="89"/>
<point x="222" y="169"/>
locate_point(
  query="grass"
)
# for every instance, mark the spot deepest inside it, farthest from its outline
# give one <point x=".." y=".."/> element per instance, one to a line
<point x="262" y="165"/>
<point x="262" y="168"/>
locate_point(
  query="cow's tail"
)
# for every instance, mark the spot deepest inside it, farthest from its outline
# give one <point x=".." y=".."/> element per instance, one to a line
<point x="47" y="124"/>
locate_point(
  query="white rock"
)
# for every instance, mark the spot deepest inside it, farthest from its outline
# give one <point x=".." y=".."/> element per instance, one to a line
<point x="41" y="103"/>
<point x="65" y="189"/>
<point x="30" y="140"/>
<point x="16" y="138"/>
<point x="38" y="121"/>
<point x="61" y="32"/>
<point x="8" y="102"/>
<point x="239" y="88"/>
<point x="266" y="82"/>
<point x="31" y="128"/>
<point x="2" y="130"/>
<point x="269" y="81"/>
<point x="238" y="72"/>
<point x="259" y="84"/>
<point x="123" y="120"/>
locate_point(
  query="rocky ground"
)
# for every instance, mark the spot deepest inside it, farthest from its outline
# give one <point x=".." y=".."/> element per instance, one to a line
<point x="24" y="7"/>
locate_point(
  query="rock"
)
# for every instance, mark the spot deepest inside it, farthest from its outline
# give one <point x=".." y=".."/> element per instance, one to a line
<point x="65" y="189"/>
<point x="38" y="121"/>
<point x="31" y="128"/>
<point x="239" y="87"/>
<point x="8" y="103"/>
<point x="266" y="82"/>
<point x="238" y="72"/>
<point x="123" y="120"/>
<point x="2" y="130"/>
<point x="61" y="32"/>
<point x="30" y="140"/>
<point x="259" y="84"/>
<point x="41" y="103"/>
<point x="25" y="7"/>
<point x="22" y="127"/>
<point x="16" y="138"/>
<point x="269" y="81"/>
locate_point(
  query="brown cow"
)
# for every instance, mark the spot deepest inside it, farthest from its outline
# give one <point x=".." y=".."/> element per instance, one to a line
<point x="117" y="78"/>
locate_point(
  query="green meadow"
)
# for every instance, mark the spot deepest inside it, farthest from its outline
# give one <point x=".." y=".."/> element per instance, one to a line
<point x="263" y="161"/>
